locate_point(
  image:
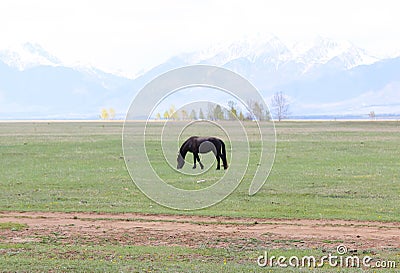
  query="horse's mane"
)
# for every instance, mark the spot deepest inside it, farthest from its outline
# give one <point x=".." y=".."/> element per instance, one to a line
<point x="183" y="150"/>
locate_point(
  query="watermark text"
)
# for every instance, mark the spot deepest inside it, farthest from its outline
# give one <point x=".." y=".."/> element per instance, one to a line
<point x="339" y="259"/>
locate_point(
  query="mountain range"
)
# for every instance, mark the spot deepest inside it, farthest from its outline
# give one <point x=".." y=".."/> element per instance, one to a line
<point x="321" y="78"/>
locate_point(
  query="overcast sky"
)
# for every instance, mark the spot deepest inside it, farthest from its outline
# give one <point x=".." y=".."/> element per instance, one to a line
<point x="132" y="35"/>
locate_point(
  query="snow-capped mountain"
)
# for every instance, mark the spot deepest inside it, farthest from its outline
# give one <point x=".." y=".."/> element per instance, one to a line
<point x="251" y="48"/>
<point x="323" y="50"/>
<point x="272" y="51"/>
<point x="28" y="55"/>
<point x="322" y="72"/>
<point x="35" y="84"/>
<point x="320" y="77"/>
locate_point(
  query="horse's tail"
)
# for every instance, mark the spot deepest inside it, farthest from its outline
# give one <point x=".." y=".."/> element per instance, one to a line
<point x="223" y="148"/>
<point x="223" y="154"/>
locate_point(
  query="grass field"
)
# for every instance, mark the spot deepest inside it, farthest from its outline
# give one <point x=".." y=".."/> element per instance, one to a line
<point x="322" y="170"/>
<point x="344" y="170"/>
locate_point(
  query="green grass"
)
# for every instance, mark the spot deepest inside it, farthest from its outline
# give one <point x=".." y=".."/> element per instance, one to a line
<point x="345" y="170"/>
<point x="118" y="258"/>
<point x="12" y="226"/>
<point x="44" y="257"/>
<point x="322" y="170"/>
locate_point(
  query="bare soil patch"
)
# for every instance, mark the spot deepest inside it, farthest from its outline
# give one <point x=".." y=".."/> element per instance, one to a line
<point x="197" y="231"/>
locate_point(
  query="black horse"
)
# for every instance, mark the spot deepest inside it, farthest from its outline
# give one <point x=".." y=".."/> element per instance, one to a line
<point x="202" y="145"/>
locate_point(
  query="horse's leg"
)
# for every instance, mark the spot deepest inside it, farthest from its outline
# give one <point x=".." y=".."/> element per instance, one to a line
<point x="223" y="157"/>
<point x="201" y="164"/>
<point x="218" y="161"/>
<point x="194" y="160"/>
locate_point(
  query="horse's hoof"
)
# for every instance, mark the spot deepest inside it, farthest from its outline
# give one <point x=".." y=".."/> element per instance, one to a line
<point x="194" y="167"/>
<point x="218" y="168"/>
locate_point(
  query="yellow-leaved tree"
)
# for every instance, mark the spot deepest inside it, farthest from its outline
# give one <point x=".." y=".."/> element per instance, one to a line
<point x="111" y="113"/>
<point x="104" y="114"/>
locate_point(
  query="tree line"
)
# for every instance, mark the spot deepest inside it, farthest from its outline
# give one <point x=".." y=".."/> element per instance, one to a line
<point x="217" y="112"/>
<point x="279" y="103"/>
<point x="279" y="106"/>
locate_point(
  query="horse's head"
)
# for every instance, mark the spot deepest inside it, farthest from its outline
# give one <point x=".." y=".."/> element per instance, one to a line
<point x="180" y="160"/>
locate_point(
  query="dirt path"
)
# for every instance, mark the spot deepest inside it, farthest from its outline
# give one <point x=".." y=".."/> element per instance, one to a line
<point x="195" y="231"/>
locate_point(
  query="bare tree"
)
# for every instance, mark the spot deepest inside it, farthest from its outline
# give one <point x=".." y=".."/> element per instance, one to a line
<point x="372" y="115"/>
<point x="280" y="105"/>
<point x="232" y="114"/>
<point x="257" y="111"/>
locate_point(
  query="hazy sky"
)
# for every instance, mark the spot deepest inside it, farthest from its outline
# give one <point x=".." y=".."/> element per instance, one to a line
<point x="131" y="35"/>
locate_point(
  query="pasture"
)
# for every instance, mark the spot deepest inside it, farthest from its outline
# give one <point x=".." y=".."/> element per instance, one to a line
<point x="323" y="171"/>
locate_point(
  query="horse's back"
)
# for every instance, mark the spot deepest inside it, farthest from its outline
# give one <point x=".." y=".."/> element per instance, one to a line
<point x="210" y="139"/>
<point x="193" y="143"/>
